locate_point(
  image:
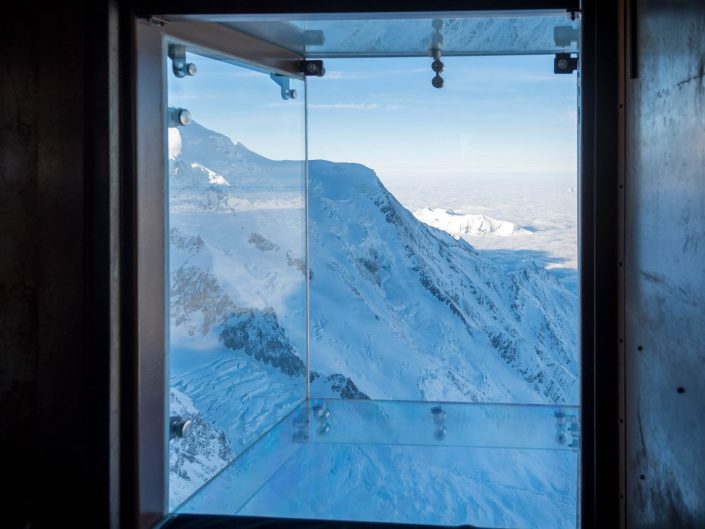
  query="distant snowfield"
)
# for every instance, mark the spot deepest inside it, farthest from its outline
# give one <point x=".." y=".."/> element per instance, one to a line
<point x="545" y="211"/>
<point x="458" y="223"/>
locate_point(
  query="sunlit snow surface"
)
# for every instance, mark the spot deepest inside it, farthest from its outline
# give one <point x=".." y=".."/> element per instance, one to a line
<point x="399" y="310"/>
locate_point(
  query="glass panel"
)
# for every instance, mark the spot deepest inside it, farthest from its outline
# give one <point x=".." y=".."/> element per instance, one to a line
<point x="444" y="267"/>
<point x="393" y="36"/>
<point x="442" y="281"/>
<point x="236" y="264"/>
<point x="488" y="465"/>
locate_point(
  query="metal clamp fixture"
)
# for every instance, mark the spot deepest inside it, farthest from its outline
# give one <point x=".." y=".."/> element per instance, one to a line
<point x="313" y="37"/>
<point x="439" y="419"/>
<point x="564" y="63"/>
<point x="322" y="414"/>
<point x="178" y="117"/>
<point x="181" y="68"/>
<point x="314" y="68"/>
<point x="179" y="427"/>
<point x="564" y="36"/>
<point x="567" y="429"/>
<point x="301" y="423"/>
<point x="435" y="52"/>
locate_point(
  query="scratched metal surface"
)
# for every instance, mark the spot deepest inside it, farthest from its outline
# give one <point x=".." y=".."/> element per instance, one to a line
<point x="665" y="269"/>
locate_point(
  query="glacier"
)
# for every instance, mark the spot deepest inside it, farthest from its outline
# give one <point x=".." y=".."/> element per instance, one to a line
<point x="399" y="310"/>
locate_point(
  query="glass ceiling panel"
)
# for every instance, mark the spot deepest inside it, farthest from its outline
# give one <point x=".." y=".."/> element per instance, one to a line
<point x="461" y="34"/>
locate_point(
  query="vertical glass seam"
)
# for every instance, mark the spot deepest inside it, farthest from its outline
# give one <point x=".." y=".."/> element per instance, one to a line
<point x="166" y="322"/>
<point x="306" y="250"/>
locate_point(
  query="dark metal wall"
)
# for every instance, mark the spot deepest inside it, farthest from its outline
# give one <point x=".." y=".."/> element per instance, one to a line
<point x="665" y="267"/>
<point x="55" y="403"/>
<point x="41" y="270"/>
<point x="599" y="71"/>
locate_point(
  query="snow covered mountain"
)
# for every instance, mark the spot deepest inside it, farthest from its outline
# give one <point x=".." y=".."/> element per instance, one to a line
<point x="398" y="309"/>
<point x="458" y="223"/>
<point x="408" y="312"/>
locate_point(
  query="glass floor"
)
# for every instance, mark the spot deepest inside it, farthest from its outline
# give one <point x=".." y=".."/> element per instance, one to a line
<point x="488" y="465"/>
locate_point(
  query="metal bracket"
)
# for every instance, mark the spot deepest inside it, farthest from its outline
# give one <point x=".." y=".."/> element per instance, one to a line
<point x="314" y="68"/>
<point x="564" y="63"/>
<point x="177" y="54"/>
<point x="283" y="82"/>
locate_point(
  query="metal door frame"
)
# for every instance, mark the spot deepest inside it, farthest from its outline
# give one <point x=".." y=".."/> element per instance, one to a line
<point x="598" y="242"/>
<point x="151" y="318"/>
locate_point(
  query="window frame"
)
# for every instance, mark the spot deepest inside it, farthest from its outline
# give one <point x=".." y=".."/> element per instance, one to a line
<point x="147" y="449"/>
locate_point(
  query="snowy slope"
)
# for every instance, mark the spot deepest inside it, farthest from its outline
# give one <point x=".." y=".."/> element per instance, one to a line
<point x="197" y="456"/>
<point x="399" y="310"/>
<point x="408" y="312"/>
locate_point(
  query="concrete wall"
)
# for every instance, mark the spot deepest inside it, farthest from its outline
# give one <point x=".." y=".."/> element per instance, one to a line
<point x="665" y="269"/>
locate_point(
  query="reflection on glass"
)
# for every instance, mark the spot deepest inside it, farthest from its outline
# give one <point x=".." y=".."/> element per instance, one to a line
<point x="236" y="266"/>
<point x="497" y="466"/>
<point x="483" y="34"/>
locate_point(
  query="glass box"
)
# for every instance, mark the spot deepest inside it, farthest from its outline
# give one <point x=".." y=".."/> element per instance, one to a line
<point x="362" y="337"/>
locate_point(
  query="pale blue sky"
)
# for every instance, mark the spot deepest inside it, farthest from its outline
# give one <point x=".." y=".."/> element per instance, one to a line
<point x="495" y="117"/>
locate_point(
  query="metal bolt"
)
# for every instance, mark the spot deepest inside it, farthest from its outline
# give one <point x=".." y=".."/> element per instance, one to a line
<point x="178" y="117"/>
<point x="179" y="427"/>
<point x="184" y="117"/>
<point x="191" y="69"/>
